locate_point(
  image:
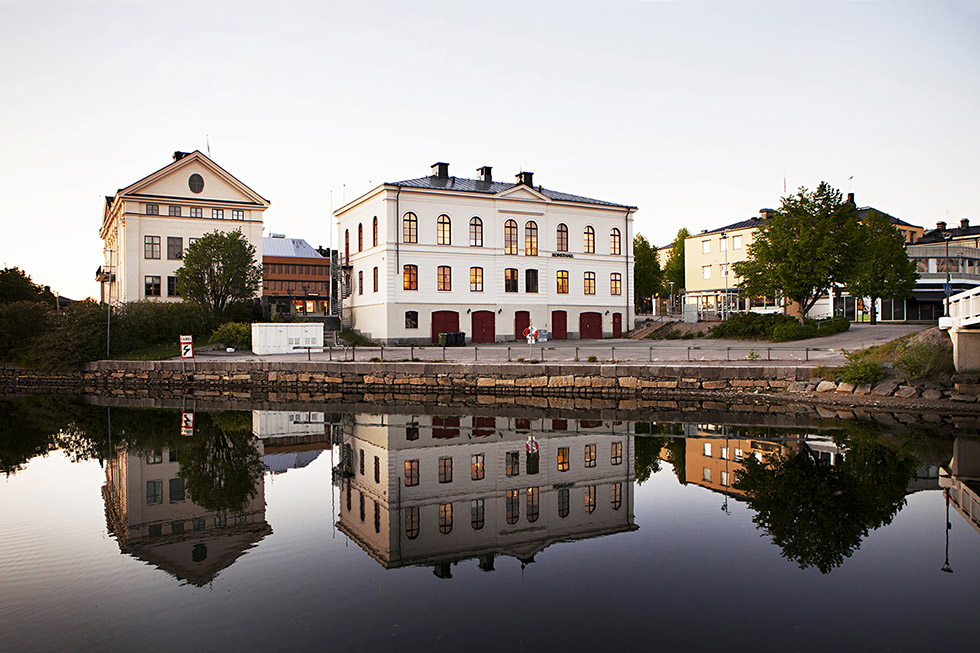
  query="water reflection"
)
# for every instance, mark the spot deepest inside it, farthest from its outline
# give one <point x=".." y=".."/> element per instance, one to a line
<point x="961" y="481"/>
<point x="437" y="490"/>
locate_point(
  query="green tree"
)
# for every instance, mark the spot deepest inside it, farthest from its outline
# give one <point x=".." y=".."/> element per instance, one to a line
<point x="648" y="278"/>
<point x="16" y="286"/>
<point x="674" y="267"/>
<point x="882" y="267"/>
<point x="219" y="269"/>
<point x="221" y="464"/>
<point x="802" y="250"/>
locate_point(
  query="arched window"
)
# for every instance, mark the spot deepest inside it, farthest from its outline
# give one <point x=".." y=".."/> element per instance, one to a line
<point x="531" y="238"/>
<point x="346" y="245"/>
<point x="374" y="234"/>
<point x="562" y="244"/>
<point x="444" y="230"/>
<point x="614" y="242"/>
<point x="615" y="283"/>
<point x="444" y="277"/>
<point x="589" y="240"/>
<point x="410" y="228"/>
<point x="589" y="283"/>
<point x="360" y="237"/>
<point x="410" y="277"/>
<point x="562" y="282"/>
<point x="510" y="237"/>
<point x="476" y="232"/>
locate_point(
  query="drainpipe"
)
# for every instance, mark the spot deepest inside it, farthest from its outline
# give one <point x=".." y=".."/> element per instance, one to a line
<point x="398" y="231"/>
<point x="626" y="274"/>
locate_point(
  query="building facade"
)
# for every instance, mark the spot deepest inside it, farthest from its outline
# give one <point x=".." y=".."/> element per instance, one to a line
<point x="147" y="225"/>
<point x="295" y="277"/>
<point x="447" y="254"/>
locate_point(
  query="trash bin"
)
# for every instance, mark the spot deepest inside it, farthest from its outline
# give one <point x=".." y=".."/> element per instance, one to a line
<point x="462" y="338"/>
<point x="443" y="339"/>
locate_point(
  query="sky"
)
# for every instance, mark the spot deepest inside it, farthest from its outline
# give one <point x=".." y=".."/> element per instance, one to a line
<point x="699" y="113"/>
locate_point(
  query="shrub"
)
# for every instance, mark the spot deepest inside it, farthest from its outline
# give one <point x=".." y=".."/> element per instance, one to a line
<point x="74" y="336"/>
<point x="750" y="326"/>
<point x="593" y="359"/>
<point x="860" y="372"/>
<point x="922" y="360"/>
<point x="832" y="326"/>
<point x="794" y="331"/>
<point x="233" y="334"/>
<point x="19" y="323"/>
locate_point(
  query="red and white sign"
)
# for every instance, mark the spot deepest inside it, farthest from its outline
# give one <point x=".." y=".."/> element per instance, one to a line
<point x="187" y="424"/>
<point x="187" y="347"/>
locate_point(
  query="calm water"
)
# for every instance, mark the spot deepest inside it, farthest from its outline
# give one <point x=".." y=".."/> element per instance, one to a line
<point x="276" y="529"/>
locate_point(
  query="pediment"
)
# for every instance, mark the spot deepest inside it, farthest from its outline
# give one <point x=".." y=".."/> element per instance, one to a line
<point x="521" y="192"/>
<point x="173" y="181"/>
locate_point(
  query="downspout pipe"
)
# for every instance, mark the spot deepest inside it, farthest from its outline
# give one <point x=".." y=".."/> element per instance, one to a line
<point x="629" y="248"/>
<point x="398" y="230"/>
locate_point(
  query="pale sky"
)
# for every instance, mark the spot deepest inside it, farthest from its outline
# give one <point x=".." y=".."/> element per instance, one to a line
<point x="693" y="111"/>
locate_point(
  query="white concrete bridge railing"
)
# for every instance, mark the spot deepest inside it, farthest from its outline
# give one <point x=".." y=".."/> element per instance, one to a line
<point x="963" y="324"/>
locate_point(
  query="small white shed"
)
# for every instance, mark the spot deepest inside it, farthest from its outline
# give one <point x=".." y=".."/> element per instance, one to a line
<point x="279" y="338"/>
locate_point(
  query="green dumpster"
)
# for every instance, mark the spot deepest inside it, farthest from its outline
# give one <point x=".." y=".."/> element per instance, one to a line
<point x="442" y="339"/>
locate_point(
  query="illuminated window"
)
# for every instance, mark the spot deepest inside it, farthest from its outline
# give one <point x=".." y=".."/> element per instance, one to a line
<point x="510" y="280"/>
<point x="513" y="507"/>
<point x="476" y="232"/>
<point x="590" y="499"/>
<point x="513" y="463"/>
<point x="411" y="472"/>
<point x="477" y="514"/>
<point x="589" y="283"/>
<point x="590" y="455"/>
<point x="614" y="242"/>
<point x="615" y="283"/>
<point x="151" y="286"/>
<point x="531" y="238"/>
<point x="410" y="277"/>
<point x="410" y="228"/>
<point x="476" y="279"/>
<point x="533" y="504"/>
<point x="510" y="237"/>
<point x="444" y="279"/>
<point x="444" y="234"/>
<point x="562" y="459"/>
<point x="446" y="469"/>
<point x="588" y="240"/>
<point x="562" y="243"/>
<point x="617" y="496"/>
<point x="412" y="522"/>
<point x="616" y="453"/>
<point x="562" y="278"/>
<point x="445" y="518"/>
<point x="563" y="503"/>
<point x="476" y="467"/>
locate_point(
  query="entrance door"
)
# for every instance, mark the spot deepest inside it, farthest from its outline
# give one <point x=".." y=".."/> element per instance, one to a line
<point x="559" y="325"/>
<point x="483" y="326"/>
<point x="617" y="325"/>
<point x="590" y="325"/>
<point x="444" y="322"/>
<point x="522" y="320"/>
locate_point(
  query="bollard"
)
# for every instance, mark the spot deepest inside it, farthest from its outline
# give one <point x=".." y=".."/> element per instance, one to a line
<point x="651" y="354"/>
<point x="508" y="354"/>
<point x="542" y="354"/>
<point x="353" y="353"/>
<point x="806" y="353"/>
<point x="688" y="353"/>
<point x="576" y="353"/>
<point x="475" y="355"/>
<point x="444" y="353"/>
<point x="728" y="353"/>
<point x="413" y="352"/>
<point x="331" y="352"/>
<point x="382" y="353"/>
<point x="768" y="353"/>
<point x="613" y="354"/>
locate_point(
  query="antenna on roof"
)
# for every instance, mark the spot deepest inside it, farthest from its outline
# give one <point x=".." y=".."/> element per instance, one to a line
<point x="784" y="182"/>
<point x="207" y="140"/>
<point x="849" y="180"/>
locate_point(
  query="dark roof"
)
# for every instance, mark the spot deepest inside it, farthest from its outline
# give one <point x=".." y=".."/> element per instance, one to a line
<point x="863" y="213"/>
<point x="744" y="224"/>
<point x="936" y="235"/>
<point x="493" y="187"/>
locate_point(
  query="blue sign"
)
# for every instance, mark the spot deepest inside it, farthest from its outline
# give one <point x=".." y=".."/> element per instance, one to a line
<point x="948" y="288"/>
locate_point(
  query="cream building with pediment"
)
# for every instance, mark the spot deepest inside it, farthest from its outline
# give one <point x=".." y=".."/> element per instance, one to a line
<point x="147" y="225"/>
<point x="447" y="254"/>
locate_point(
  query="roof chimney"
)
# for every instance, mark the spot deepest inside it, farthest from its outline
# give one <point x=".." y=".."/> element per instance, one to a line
<point x="850" y="199"/>
<point x="941" y="226"/>
<point x="440" y="170"/>
<point x="525" y="178"/>
<point x="484" y="173"/>
<point x="965" y="223"/>
<point x="764" y="213"/>
<point x="180" y="155"/>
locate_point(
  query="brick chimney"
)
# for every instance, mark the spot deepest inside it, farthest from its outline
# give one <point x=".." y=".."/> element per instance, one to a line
<point x="850" y="199"/>
<point x="440" y="170"/>
<point x="484" y="173"/>
<point x="941" y="226"/>
<point x="526" y="178"/>
<point x="765" y="213"/>
<point x="965" y="223"/>
<point x="180" y="155"/>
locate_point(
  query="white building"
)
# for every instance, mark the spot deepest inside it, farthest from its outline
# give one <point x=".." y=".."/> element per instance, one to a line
<point x="147" y="225"/>
<point x="447" y="254"/>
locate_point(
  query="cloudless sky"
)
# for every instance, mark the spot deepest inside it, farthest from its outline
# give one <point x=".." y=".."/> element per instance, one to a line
<point x="693" y="111"/>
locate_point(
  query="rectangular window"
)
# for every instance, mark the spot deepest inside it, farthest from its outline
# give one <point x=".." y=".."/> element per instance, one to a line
<point x="153" y="209"/>
<point x="513" y="463"/>
<point x="476" y="279"/>
<point x="377" y="469"/>
<point x="154" y="492"/>
<point x="196" y="212"/>
<point x="476" y="467"/>
<point x="172" y="287"/>
<point x="707" y="449"/>
<point x="410" y="277"/>
<point x="412" y="431"/>
<point x="375" y="279"/>
<point x="563" y="502"/>
<point x="444" y="277"/>
<point x="562" y="459"/>
<point x="706" y="271"/>
<point x="360" y="465"/>
<point x="617" y="496"/>
<point x="616" y="453"/>
<point x="615" y="283"/>
<point x="590" y="455"/>
<point x="151" y="246"/>
<point x="198" y="524"/>
<point x="218" y="214"/>
<point x="738" y="454"/>
<point x="446" y="470"/>
<point x="510" y="280"/>
<point x="412" y="522"/>
<point x="724" y="453"/>
<point x="176" y="490"/>
<point x="530" y="281"/>
<point x="155" y="457"/>
<point x="705" y="246"/>
<point x="736" y="242"/>
<point x="562" y="282"/>
<point x="445" y="518"/>
<point x="706" y="474"/>
<point x="533" y="504"/>
<point x="151" y="286"/>
<point x="477" y="514"/>
<point x="175" y="248"/>
<point x="590" y="499"/>
<point x="237" y="214"/>
<point x="173" y="210"/>
<point x="411" y="472"/>
<point x="411" y="319"/>
<point x="724" y="478"/>
<point x="723" y="244"/>
<point x="513" y="507"/>
<point x="589" y="282"/>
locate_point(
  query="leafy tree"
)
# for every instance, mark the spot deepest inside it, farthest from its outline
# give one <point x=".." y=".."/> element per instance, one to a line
<point x="674" y="267"/>
<point x="20" y="322"/>
<point x="74" y="336"/>
<point x="803" y="250"/>
<point x="818" y="513"/>
<point x="221" y="465"/>
<point x="219" y="269"/>
<point x="648" y="278"/>
<point x="16" y="286"/>
<point x="882" y="267"/>
<point x="646" y="457"/>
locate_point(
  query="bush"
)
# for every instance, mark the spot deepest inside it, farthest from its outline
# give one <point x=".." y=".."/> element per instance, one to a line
<point x="860" y="372"/>
<point x="20" y="322"/>
<point x="794" y="331"/>
<point x="751" y="326"/>
<point x="233" y="334"/>
<point x="832" y="326"/>
<point x="74" y="336"/>
<point x="922" y="360"/>
<point x="137" y="325"/>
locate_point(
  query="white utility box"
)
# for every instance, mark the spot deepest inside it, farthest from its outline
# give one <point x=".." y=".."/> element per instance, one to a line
<point x="279" y="338"/>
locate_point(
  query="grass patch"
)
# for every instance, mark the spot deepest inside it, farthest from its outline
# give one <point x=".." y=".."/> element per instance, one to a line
<point x="151" y="353"/>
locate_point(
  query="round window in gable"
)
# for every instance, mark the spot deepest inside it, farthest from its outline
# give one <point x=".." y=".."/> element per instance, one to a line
<point x="196" y="183"/>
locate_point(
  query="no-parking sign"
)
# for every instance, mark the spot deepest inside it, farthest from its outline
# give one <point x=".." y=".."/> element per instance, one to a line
<point x="187" y="347"/>
<point x="187" y="424"/>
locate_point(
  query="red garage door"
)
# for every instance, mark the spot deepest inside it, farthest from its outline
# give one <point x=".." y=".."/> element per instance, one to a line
<point x="522" y="320"/>
<point x="590" y="325"/>
<point x="559" y="325"/>
<point x="483" y="326"/>
<point x="617" y="325"/>
<point x="444" y="322"/>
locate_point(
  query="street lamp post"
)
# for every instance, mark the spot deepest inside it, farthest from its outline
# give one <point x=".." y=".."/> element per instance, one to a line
<point x="946" y="568"/>
<point x="671" y="297"/>
<point x="947" y="237"/>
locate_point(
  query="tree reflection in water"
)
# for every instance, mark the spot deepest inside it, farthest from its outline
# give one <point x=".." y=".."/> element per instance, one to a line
<point x="818" y="513"/>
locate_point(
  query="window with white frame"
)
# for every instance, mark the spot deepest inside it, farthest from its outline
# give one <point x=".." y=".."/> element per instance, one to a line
<point x="476" y="232"/>
<point x="705" y="246"/>
<point x="706" y="271"/>
<point x="736" y="242"/>
<point x="218" y="214"/>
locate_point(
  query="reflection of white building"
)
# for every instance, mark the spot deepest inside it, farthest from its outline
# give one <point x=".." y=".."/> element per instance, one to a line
<point x="154" y="518"/>
<point x="292" y="439"/>
<point x="962" y="480"/>
<point x="433" y="490"/>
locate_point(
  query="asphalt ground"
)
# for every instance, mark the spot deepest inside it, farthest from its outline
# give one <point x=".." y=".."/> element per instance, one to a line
<point x="825" y="351"/>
